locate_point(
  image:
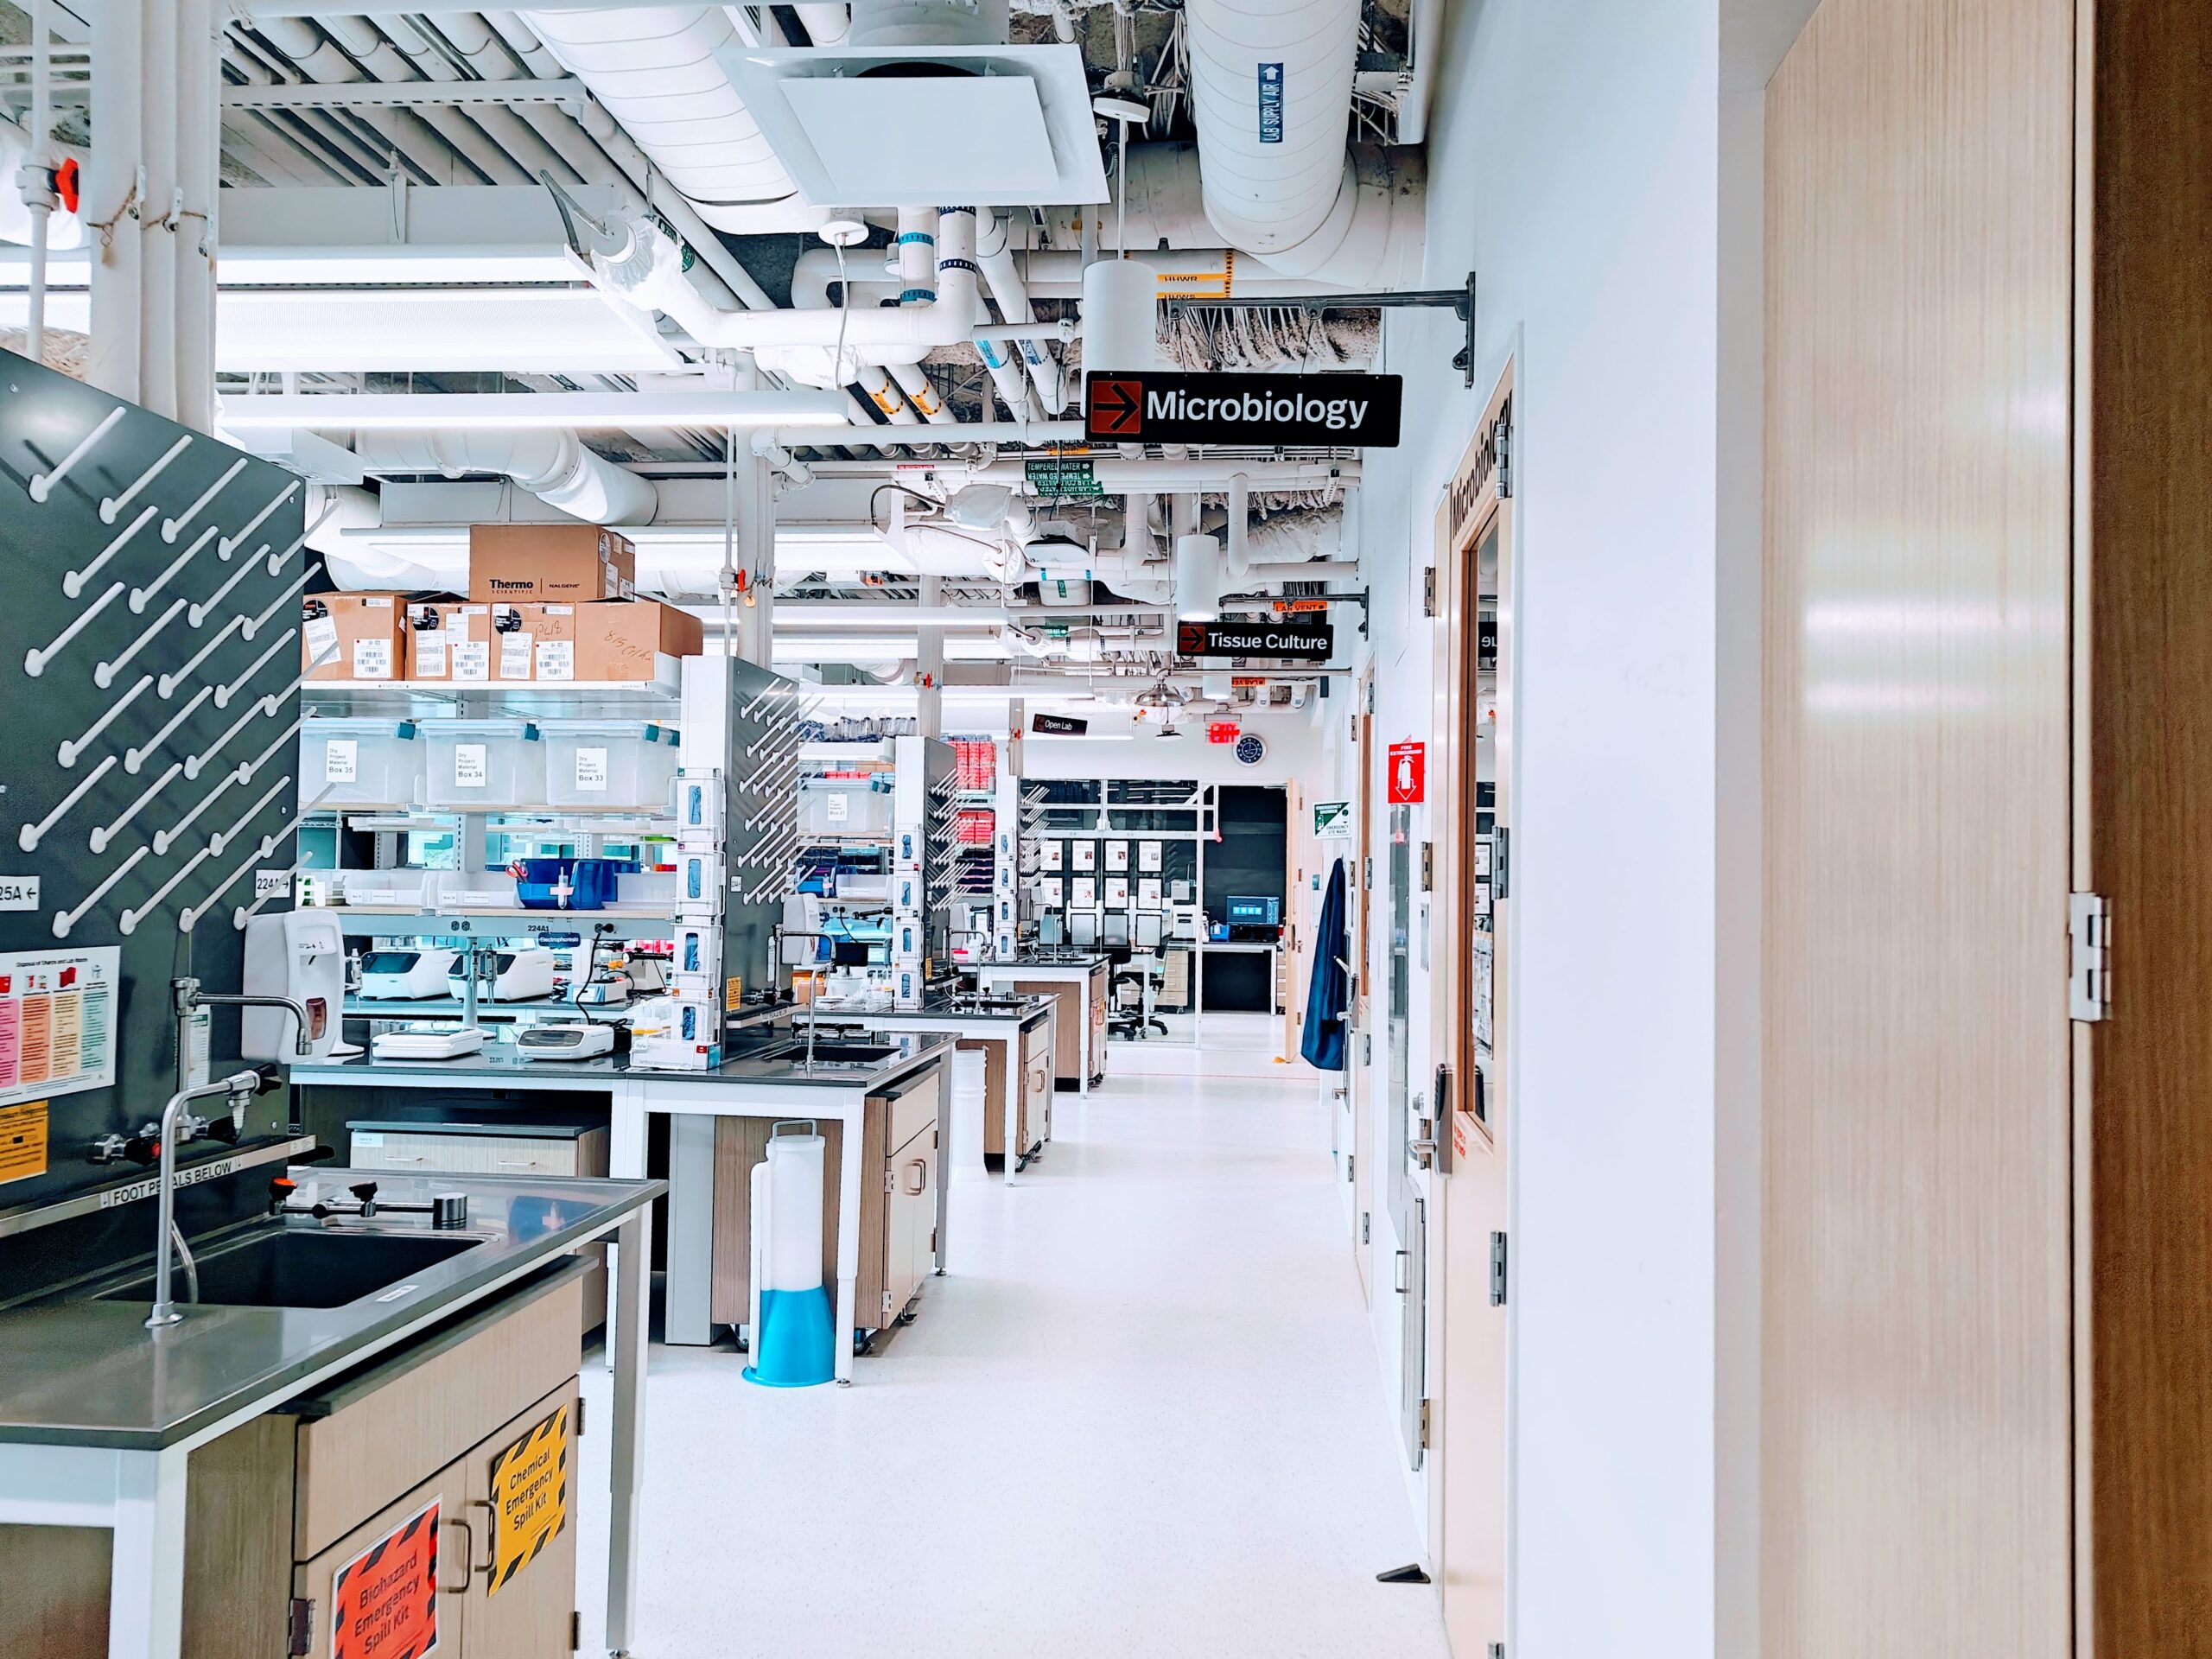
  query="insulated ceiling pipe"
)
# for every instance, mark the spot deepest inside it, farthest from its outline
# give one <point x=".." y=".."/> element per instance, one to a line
<point x="825" y="25"/>
<point x="654" y="70"/>
<point x="554" y="466"/>
<point x="1003" y="277"/>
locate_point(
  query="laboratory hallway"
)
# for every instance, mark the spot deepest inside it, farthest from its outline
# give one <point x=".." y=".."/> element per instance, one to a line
<point x="1140" y="1417"/>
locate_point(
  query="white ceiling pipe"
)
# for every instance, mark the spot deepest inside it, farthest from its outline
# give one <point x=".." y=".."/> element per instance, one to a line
<point x="703" y="407"/>
<point x="1188" y="273"/>
<point x="1029" y="432"/>
<point x="1240" y="524"/>
<point x="825" y="25"/>
<point x="1271" y="87"/>
<point x="653" y="68"/>
<point x="505" y="127"/>
<point x="409" y="142"/>
<point x="555" y="467"/>
<point x="1003" y="277"/>
<point x="1425" y="29"/>
<point x="928" y="23"/>
<point x="1118" y="474"/>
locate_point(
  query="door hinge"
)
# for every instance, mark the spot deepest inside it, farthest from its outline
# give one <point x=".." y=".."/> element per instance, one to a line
<point x="1424" y="1426"/>
<point x="1429" y="591"/>
<point x="1366" y="1227"/>
<point x="889" y="1185"/>
<point x="576" y="1630"/>
<point x="299" y="1621"/>
<point x="932" y="1241"/>
<point x="1371" y="695"/>
<point x="2088" y="926"/>
<point x="580" y="1416"/>
<point x="1429" y="867"/>
<point x="1501" y="861"/>
<point x="887" y="1306"/>
<point x="1497" y="1269"/>
<point x="1351" y="1166"/>
<point x="1367" y="1048"/>
<point x="1498" y="1650"/>
<point x="1504" y="462"/>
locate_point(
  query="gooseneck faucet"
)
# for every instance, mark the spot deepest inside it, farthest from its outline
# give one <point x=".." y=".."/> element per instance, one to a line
<point x="187" y="998"/>
<point x="240" y="1087"/>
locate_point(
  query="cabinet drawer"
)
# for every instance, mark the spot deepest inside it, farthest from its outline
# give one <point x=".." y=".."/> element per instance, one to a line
<point x="914" y="1108"/>
<point x="1037" y="1044"/>
<point x="382" y="1430"/>
<point x="467" y="1155"/>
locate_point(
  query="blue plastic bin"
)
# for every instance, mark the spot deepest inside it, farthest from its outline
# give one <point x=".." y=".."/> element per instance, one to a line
<point x="592" y="878"/>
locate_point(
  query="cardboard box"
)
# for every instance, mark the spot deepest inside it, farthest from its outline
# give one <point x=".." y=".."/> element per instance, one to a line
<point x="351" y="636"/>
<point x="611" y="640"/>
<point x="566" y="564"/>
<point x="467" y="644"/>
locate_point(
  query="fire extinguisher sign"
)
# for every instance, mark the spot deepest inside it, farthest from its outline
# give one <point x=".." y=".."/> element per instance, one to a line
<point x="1408" y="773"/>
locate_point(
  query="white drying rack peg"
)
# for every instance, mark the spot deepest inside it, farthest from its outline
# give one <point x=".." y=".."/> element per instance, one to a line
<point x="31" y="834"/>
<point x="166" y="685"/>
<point x="276" y="561"/>
<point x="73" y="583"/>
<point x="255" y="711"/>
<point x="128" y="922"/>
<point x="223" y="697"/>
<point x="276" y="604"/>
<point x="35" y="660"/>
<point x="107" y="832"/>
<point x="65" y="919"/>
<point x="165" y="839"/>
<point x="42" y="486"/>
<point x="112" y="509"/>
<point x="172" y="528"/>
<point x="231" y="544"/>
<point x="140" y="596"/>
<point x="135" y="757"/>
<point x="217" y="843"/>
<point x="190" y="918"/>
<point x="200" y="612"/>
<point x="67" y="753"/>
<point x="104" y="676"/>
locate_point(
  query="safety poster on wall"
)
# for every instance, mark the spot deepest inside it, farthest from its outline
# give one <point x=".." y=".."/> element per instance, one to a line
<point x="57" y="1021"/>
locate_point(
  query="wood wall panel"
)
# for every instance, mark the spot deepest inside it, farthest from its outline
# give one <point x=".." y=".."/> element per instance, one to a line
<point x="2149" y="510"/>
<point x="1914" y="1411"/>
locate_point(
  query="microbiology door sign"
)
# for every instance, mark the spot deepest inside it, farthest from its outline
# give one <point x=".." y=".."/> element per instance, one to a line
<point x="1265" y="410"/>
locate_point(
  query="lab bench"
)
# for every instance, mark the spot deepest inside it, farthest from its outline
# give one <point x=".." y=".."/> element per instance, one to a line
<point x="1078" y="983"/>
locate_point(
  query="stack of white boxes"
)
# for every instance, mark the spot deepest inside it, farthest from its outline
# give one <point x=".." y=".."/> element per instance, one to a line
<point x="690" y="1039"/>
<point x="910" y="892"/>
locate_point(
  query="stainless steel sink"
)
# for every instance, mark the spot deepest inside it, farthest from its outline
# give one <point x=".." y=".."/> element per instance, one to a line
<point x="305" y="1267"/>
<point x="840" y="1053"/>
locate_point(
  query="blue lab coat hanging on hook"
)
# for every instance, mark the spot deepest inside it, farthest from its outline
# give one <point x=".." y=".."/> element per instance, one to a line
<point x="1324" y="1042"/>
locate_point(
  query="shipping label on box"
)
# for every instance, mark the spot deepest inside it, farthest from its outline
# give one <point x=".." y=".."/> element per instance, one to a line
<point x="554" y="629"/>
<point x="351" y="637"/>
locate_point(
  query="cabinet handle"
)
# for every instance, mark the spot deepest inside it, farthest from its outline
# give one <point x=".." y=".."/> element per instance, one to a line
<point x="491" y="1560"/>
<point x="467" y="1557"/>
<point x="918" y="1171"/>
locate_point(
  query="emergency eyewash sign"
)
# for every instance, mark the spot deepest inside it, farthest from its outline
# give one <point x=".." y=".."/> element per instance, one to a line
<point x="1264" y="410"/>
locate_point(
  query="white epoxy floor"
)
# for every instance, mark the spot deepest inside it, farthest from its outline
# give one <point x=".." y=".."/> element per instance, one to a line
<point x="1139" y="1418"/>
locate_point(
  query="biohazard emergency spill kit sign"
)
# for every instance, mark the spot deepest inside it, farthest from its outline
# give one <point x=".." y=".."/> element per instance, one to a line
<point x="383" y="1603"/>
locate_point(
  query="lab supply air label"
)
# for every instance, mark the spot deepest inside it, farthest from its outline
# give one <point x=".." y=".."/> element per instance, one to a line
<point x="57" y="1021"/>
<point x="530" y="1492"/>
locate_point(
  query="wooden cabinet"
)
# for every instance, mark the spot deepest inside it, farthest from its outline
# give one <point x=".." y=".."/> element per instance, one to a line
<point x="900" y="1163"/>
<point x="1031" y="1077"/>
<point x="475" y="1149"/>
<point x="1072" y="1006"/>
<point x="521" y="1595"/>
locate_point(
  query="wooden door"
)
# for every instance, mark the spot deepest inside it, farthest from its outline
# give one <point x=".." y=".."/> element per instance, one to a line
<point x="1915" y="1416"/>
<point x="357" y="1579"/>
<point x="2146" y="1181"/>
<point x="1469" y="775"/>
<point x="522" y="1582"/>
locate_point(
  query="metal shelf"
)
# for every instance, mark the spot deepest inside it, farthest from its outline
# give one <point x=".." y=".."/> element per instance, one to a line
<point x="540" y="699"/>
<point x="378" y="922"/>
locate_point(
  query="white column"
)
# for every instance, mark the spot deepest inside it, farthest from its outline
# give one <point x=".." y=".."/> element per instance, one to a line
<point x="199" y="117"/>
<point x="158" y="26"/>
<point x="929" y="663"/>
<point x="112" y="362"/>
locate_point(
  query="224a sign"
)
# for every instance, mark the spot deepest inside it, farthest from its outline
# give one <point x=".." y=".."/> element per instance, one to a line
<point x="1267" y="410"/>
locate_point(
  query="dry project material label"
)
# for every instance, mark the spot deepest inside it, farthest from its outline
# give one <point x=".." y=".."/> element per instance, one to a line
<point x="57" y="1021"/>
<point x="383" y="1603"/>
<point x="530" y="1496"/>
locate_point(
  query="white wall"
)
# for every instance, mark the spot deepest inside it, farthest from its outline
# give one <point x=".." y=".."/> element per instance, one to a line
<point x="1574" y="163"/>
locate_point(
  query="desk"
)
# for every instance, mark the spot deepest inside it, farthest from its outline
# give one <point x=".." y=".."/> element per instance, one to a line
<point x="1209" y="949"/>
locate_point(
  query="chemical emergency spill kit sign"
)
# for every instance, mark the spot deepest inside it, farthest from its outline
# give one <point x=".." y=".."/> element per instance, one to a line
<point x="530" y="1497"/>
<point x="1262" y="410"/>
<point x="383" y="1603"/>
<point x="1296" y="638"/>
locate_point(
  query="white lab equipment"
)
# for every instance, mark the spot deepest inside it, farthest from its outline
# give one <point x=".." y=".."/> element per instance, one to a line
<point x="517" y="976"/>
<point x="407" y="975"/>
<point x="300" y="954"/>
<point x="793" y="1342"/>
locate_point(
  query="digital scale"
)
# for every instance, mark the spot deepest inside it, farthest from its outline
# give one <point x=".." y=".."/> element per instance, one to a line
<point x="564" y="1041"/>
<point x="427" y="1042"/>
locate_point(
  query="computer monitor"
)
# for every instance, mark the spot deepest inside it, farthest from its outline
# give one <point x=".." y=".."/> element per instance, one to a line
<point x="1250" y="910"/>
<point x="1083" y="927"/>
<point x="1148" y="930"/>
<point x="1117" y="927"/>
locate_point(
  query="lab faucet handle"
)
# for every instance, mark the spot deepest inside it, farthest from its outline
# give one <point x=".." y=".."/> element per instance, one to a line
<point x="365" y="1191"/>
<point x="280" y="1193"/>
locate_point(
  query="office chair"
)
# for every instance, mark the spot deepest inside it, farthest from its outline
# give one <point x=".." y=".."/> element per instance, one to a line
<point x="1140" y="970"/>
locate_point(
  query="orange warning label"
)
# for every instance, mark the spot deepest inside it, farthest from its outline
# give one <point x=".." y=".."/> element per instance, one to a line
<point x="23" y="1141"/>
<point x="383" y="1603"/>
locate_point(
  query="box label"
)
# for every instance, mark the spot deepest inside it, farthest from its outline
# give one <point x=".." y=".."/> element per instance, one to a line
<point x="18" y="893"/>
<point x="23" y="1141"/>
<point x="383" y="1603"/>
<point x="322" y="636"/>
<point x="341" y="760"/>
<point x="373" y="659"/>
<point x="430" y="655"/>
<point x="471" y="766"/>
<point x="530" y="1497"/>
<point x="472" y="659"/>
<point x="556" y="659"/>
<point x="836" y="808"/>
<point x="514" y="656"/>
<point x="591" y="770"/>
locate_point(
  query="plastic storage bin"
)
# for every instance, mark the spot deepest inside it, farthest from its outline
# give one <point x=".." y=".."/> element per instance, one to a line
<point x="484" y="766"/>
<point x="845" y="806"/>
<point x="613" y="765"/>
<point x="360" y="763"/>
<point x="592" y="882"/>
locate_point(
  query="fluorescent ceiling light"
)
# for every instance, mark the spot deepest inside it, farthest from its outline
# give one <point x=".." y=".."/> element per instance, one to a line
<point x="567" y="410"/>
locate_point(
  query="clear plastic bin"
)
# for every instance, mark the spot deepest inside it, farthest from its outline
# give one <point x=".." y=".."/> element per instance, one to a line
<point x="843" y="806"/>
<point x="616" y="764"/>
<point x="360" y="763"/>
<point x="484" y="766"/>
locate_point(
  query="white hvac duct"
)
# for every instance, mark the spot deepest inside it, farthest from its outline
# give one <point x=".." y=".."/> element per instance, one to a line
<point x="1271" y="97"/>
<point x="885" y="24"/>
<point x="554" y="466"/>
<point x="1198" y="578"/>
<point x="654" y="71"/>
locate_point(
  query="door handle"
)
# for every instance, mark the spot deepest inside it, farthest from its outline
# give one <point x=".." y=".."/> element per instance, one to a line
<point x="491" y="1561"/>
<point x="918" y="1173"/>
<point x="467" y="1557"/>
<point x="1398" y="1273"/>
